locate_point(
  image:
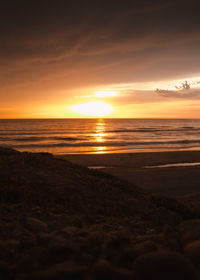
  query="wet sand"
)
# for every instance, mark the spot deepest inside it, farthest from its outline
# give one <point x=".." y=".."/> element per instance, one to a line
<point x="170" y="181"/>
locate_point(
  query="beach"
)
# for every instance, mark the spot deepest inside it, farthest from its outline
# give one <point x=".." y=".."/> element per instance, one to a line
<point x="62" y="220"/>
<point x="100" y="140"/>
<point x="141" y="169"/>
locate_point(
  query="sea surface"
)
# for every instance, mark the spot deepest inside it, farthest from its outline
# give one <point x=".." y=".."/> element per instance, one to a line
<point x="68" y="136"/>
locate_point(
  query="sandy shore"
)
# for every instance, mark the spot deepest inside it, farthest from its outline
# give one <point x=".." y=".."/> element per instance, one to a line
<point x="170" y="181"/>
<point x="63" y="221"/>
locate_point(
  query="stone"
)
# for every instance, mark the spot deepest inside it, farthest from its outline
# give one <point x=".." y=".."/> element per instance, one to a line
<point x="118" y="242"/>
<point x="86" y="259"/>
<point x="172" y="238"/>
<point x="68" y="231"/>
<point x="127" y="257"/>
<point x="5" y="250"/>
<point x="192" y="251"/>
<point x="61" y="271"/>
<point x="28" y="241"/>
<point x="146" y="247"/>
<point x="189" y="231"/>
<point x="56" y="241"/>
<point x="13" y="244"/>
<point x="35" y="225"/>
<point x="8" y="151"/>
<point x="5" y="269"/>
<point x="165" y="266"/>
<point x="102" y="270"/>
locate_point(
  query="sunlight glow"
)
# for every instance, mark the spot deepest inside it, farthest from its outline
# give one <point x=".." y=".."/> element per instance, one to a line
<point x="94" y="108"/>
<point x="100" y="135"/>
<point x="105" y="93"/>
<point x="100" y="150"/>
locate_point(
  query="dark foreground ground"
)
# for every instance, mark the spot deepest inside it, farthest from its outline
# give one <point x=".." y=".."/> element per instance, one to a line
<point x="59" y="220"/>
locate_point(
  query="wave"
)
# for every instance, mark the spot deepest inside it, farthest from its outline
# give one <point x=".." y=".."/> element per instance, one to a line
<point x="93" y="131"/>
<point x="34" y="133"/>
<point x="106" y="144"/>
<point x="38" y="139"/>
<point x="151" y="130"/>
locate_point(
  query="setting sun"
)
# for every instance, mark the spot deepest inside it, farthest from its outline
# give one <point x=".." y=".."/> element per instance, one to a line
<point x="94" y="108"/>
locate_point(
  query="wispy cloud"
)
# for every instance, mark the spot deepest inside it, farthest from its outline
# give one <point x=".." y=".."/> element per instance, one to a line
<point x="185" y="90"/>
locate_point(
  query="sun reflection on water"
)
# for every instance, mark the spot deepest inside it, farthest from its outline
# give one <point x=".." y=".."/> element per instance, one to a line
<point x="100" y="135"/>
<point x="100" y="150"/>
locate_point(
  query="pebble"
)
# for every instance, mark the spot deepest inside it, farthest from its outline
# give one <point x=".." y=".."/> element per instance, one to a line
<point x="146" y="247"/>
<point x="164" y="266"/>
<point x="127" y="257"/>
<point x="68" y="231"/>
<point x="13" y="244"/>
<point x="189" y="231"/>
<point x="172" y="238"/>
<point x="55" y="241"/>
<point x="61" y="271"/>
<point x="192" y="250"/>
<point x="35" y="225"/>
<point x="102" y="270"/>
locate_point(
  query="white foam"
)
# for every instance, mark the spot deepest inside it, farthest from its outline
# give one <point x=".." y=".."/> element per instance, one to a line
<point x="174" y="165"/>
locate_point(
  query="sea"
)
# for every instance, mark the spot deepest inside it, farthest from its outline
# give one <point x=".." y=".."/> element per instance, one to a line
<point x="78" y="136"/>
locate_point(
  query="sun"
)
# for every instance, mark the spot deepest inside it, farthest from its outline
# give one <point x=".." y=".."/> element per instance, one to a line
<point x="93" y="108"/>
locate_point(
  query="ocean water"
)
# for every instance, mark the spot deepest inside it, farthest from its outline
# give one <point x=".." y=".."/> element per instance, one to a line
<point x="64" y="136"/>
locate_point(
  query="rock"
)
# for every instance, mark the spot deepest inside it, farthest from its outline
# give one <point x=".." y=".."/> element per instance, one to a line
<point x="14" y="245"/>
<point x="118" y="242"/>
<point x="5" y="269"/>
<point x="93" y="243"/>
<point x="146" y="247"/>
<point x="34" y="224"/>
<point x="52" y="240"/>
<point x="77" y="222"/>
<point x="172" y="238"/>
<point x="46" y="256"/>
<point x="165" y="266"/>
<point x="61" y="271"/>
<point x="86" y="259"/>
<point x="34" y="257"/>
<point x="127" y="257"/>
<point x="55" y="241"/>
<point x="95" y="237"/>
<point x="68" y="231"/>
<point x="192" y="251"/>
<point x="5" y="251"/>
<point x="28" y="241"/>
<point x="82" y="233"/>
<point x="116" y="247"/>
<point x="8" y="151"/>
<point x="102" y="270"/>
<point x="43" y="238"/>
<point x="189" y="231"/>
<point x="59" y="249"/>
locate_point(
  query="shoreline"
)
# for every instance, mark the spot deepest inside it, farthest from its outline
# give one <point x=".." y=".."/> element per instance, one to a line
<point x="136" y="159"/>
<point x="170" y="181"/>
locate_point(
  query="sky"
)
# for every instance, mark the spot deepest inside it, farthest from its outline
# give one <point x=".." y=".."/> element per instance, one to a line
<point x="96" y="58"/>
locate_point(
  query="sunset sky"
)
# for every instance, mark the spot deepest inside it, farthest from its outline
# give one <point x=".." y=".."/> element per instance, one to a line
<point x="96" y="58"/>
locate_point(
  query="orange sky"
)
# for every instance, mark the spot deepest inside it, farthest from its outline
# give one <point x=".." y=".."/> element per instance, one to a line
<point x="57" y="56"/>
<point x="139" y="100"/>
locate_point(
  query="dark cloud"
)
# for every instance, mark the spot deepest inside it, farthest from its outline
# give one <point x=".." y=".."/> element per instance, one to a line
<point x="178" y="94"/>
<point x="64" y="44"/>
<point x="182" y="91"/>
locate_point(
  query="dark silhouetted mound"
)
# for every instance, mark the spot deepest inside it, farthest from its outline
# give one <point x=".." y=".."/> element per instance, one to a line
<point x="59" y="220"/>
